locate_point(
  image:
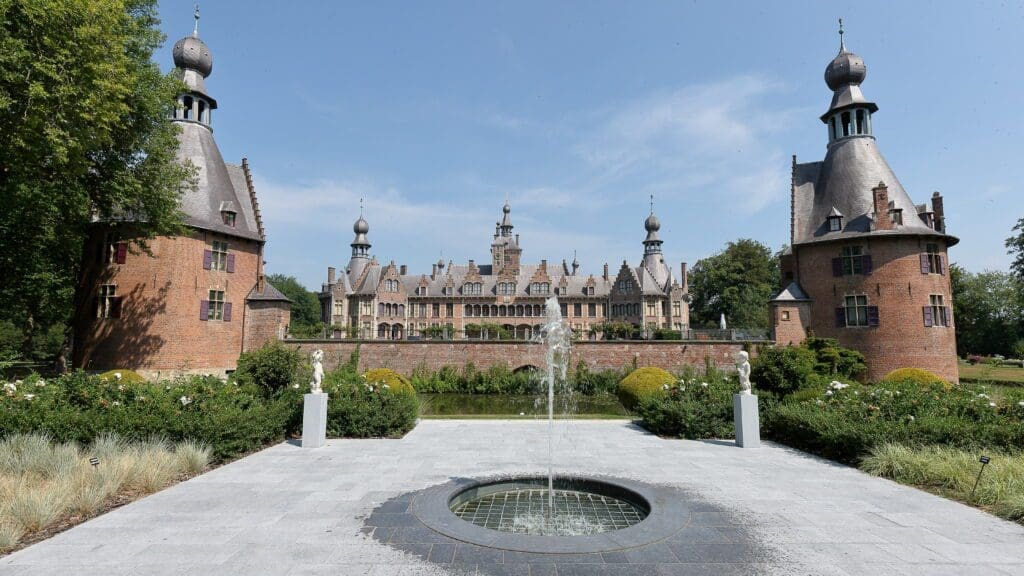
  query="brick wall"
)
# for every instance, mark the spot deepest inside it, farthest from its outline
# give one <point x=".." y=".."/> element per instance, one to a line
<point x="265" y="321"/>
<point x="405" y="356"/>
<point x="159" y="332"/>
<point x="790" y="322"/>
<point x="899" y="290"/>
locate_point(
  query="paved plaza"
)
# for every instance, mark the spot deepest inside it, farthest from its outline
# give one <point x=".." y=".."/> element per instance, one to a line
<point x="288" y="510"/>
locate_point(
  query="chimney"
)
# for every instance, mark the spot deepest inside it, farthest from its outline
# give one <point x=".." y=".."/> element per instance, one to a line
<point x="605" y="271"/>
<point x="261" y="282"/>
<point x="565" y="267"/>
<point x="940" y="212"/>
<point x="331" y="275"/>
<point x="544" y="265"/>
<point x="403" y="269"/>
<point x="517" y="239"/>
<point x="880" y="194"/>
<point x="433" y="271"/>
<point x="684" y="280"/>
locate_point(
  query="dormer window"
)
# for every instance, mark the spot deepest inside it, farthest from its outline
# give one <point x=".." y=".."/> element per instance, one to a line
<point x="834" y="220"/>
<point x="896" y="216"/>
<point x="228" y="217"/>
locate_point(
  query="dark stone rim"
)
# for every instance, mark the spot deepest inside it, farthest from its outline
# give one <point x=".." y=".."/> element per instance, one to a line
<point x="667" y="515"/>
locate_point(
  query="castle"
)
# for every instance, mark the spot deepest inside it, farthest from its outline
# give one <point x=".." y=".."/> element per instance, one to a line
<point x="196" y="301"/>
<point x="502" y="299"/>
<point x="866" y="265"/>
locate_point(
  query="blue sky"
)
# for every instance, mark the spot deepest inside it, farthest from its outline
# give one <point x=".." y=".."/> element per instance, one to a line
<point x="579" y="111"/>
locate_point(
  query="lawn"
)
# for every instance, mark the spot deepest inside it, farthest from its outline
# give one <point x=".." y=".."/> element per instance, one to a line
<point x="988" y="373"/>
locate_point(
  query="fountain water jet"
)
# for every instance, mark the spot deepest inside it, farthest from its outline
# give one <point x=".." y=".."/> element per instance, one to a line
<point x="557" y="339"/>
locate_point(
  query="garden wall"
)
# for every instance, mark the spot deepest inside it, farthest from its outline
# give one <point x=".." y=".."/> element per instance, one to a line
<point x="404" y="356"/>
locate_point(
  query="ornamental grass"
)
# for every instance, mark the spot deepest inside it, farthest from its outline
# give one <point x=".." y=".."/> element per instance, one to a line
<point x="46" y="484"/>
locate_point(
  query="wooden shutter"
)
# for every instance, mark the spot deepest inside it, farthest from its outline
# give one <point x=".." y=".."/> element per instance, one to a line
<point x="840" y="317"/>
<point x="207" y="259"/>
<point x="837" y="266"/>
<point x="942" y="264"/>
<point x="873" y="316"/>
<point x="204" y="310"/>
<point x="926" y="265"/>
<point x="929" y="317"/>
<point x="122" y="252"/>
<point x="231" y="262"/>
<point x="866" y="265"/>
<point x="227" y="311"/>
<point x="115" y="307"/>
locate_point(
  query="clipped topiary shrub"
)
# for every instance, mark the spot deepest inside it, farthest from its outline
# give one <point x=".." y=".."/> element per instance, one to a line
<point x="272" y="367"/>
<point x="643" y="383"/>
<point x="122" y="377"/>
<point x="395" y="381"/>
<point x="784" y="369"/>
<point x="914" y="375"/>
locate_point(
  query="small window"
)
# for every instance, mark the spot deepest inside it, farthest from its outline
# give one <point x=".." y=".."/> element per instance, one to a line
<point x="220" y="255"/>
<point x="934" y="258"/>
<point x="938" y="312"/>
<point x="677" y="309"/>
<point x="862" y="127"/>
<point x="846" y="124"/>
<point x="896" y="216"/>
<point x="592" y="310"/>
<point x="857" y="310"/>
<point x="652" y="308"/>
<point x="577" y="309"/>
<point x="228" y="217"/>
<point x="835" y="223"/>
<point x="449" y="310"/>
<point x="216" y="309"/>
<point x="852" y="261"/>
<point x="590" y="290"/>
<point x="785" y="315"/>
<point x="436" y="310"/>
<point x="106" y="304"/>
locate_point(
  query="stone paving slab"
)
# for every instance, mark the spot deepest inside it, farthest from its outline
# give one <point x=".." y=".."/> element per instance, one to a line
<point x="291" y="511"/>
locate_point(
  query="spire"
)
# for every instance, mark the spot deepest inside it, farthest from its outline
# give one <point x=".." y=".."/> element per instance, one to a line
<point x="506" y="220"/>
<point x="849" y="113"/>
<point x="842" y="44"/>
<point x="195" y="28"/>
<point x="652" y="204"/>
<point x="193" y="62"/>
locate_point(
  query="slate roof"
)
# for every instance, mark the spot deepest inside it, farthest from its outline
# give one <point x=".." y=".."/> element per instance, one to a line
<point x="792" y="293"/>
<point x="269" y="294"/>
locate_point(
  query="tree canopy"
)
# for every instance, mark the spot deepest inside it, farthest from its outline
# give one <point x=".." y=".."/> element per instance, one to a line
<point x="1015" y="246"/>
<point x="83" y="113"/>
<point x="305" y="306"/>
<point x="738" y="281"/>
<point x="988" y="310"/>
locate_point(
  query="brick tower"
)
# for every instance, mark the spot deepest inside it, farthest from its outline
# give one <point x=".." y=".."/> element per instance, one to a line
<point x="194" y="302"/>
<point x="866" y="266"/>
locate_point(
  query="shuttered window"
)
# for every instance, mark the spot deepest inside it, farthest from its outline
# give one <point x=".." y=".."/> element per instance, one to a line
<point x="856" y="312"/>
<point x="218" y="257"/>
<point x="215" y="308"/>
<point x="936" y="313"/>
<point x="108" y="304"/>
<point x="932" y="260"/>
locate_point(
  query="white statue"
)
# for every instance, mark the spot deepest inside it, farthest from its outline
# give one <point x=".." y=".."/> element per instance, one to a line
<point x="318" y="372"/>
<point x="743" y="369"/>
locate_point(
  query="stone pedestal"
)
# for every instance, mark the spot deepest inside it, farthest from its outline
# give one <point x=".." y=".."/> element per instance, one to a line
<point x="314" y="420"/>
<point x="748" y="423"/>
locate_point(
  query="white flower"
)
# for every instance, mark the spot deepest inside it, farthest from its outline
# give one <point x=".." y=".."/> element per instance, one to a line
<point x="18" y="382"/>
<point x="1021" y="403"/>
<point x="29" y="396"/>
<point x="522" y="413"/>
<point x="828" y="392"/>
<point x="837" y="385"/>
<point x="120" y="387"/>
<point x="704" y="384"/>
<point x="386" y="387"/>
<point x="911" y="417"/>
<point x="10" y="388"/>
<point x="117" y="375"/>
<point x="982" y="395"/>
<point x="664" y="387"/>
<point x="41" y="383"/>
<point x="296" y="385"/>
<point x="116" y="403"/>
<point x="992" y="404"/>
<point x="185" y="400"/>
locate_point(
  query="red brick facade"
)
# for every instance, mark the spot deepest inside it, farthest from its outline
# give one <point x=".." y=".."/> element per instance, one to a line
<point x="406" y="356"/>
<point x="159" y="330"/>
<point x="899" y="286"/>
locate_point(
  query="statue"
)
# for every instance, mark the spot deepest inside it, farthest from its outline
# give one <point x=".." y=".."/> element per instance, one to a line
<point x="743" y="369"/>
<point x="318" y="372"/>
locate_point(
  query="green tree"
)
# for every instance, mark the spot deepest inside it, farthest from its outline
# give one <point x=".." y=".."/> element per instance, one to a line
<point x="1015" y="247"/>
<point x="738" y="281"/>
<point x="987" y="311"/>
<point x="305" y="306"/>
<point x="83" y="112"/>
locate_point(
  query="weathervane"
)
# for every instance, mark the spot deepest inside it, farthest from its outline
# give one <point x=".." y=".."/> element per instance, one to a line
<point x="652" y="204"/>
<point x="360" y="207"/>
<point x="842" y="44"/>
<point x="195" y="28"/>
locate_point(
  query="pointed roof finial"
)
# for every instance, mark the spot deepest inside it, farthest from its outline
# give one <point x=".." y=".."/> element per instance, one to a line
<point x="652" y="203"/>
<point x="360" y="207"/>
<point x="195" y="28"/>
<point x="842" y="43"/>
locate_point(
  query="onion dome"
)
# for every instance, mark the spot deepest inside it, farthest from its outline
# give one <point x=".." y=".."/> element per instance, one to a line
<point x="361" y="226"/>
<point x="652" y="224"/>
<point x="191" y="53"/>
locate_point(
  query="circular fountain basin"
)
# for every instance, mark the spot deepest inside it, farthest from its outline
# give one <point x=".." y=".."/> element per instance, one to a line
<point x="590" y="514"/>
<point x="576" y="507"/>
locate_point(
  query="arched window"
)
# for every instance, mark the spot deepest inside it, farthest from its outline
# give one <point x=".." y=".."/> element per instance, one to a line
<point x="187" y="102"/>
<point x="502" y="311"/>
<point x="383" y="330"/>
<point x="380" y="309"/>
<point x="469" y="310"/>
<point x="494" y="309"/>
<point x="832" y="135"/>
<point x="847" y="129"/>
<point x="519" y="310"/>
<point x="476" y="310"/>
<point x="202" y="110"/>
<point x="862" y="127"/>
<point x="401" y="310"/>
<point x="487" y="311"/>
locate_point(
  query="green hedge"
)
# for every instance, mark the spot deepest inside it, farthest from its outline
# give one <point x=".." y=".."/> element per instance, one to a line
<point x="500" y="380"/>
<point x="695" y="408"/>
<point x="642" y="384"/>
<point x="845" y="422"/>
<point x="359" y="409"/>
<point x="232" y="418"/>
